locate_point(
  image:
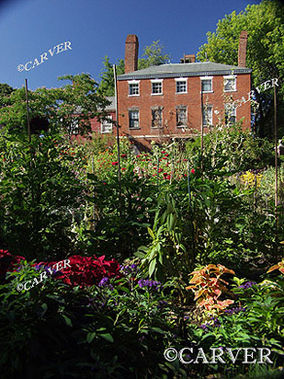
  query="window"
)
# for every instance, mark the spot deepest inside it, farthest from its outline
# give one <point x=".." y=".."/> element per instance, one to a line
<point x="106" y="125"/>
<point x="181" y="86"/>
<point x="181" y="117"/>
<point x="156" y="87"/>
<point x="229" y="83"/>
<point x="230" y="114"/>
<point x="157" y="118"/>
<point x="207" y="115"/>
<point x="134" y="119"/>
<point x="133" y="88"/>
<point x="206" y="84"/>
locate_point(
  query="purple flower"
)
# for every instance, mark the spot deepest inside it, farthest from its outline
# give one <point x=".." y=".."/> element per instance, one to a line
<point x="104" y="282"/>
<point x="235" y="310"/>
<point x="215" y="323"/>
<point x="129" y="270"/>
<point x="247" y="285"/>
<point x="149" y="284"/>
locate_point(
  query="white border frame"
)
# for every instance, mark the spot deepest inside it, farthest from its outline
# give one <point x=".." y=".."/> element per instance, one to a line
<point x="156" y="81"/>
<point x="134" y="82"/>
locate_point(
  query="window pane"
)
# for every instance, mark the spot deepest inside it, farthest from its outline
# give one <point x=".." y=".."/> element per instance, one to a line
<point x="157" y="87"/>
<point x="181" y="86"/>
<point x="133" y="119"/>
<point x="134" y="89"/>
<point x="207" y="115"/>
<point x="206" y="85"/>
<point x="181" y="117"/>
<point x="156" y="118"/>
<point x="106" y="126"/>
<point x="230" y="114"/>
<point x="230" y="84"/>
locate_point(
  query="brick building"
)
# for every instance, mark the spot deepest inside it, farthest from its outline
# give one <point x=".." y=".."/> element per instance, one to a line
<point x="99" y="127"/>
<point x="176" y="100"/>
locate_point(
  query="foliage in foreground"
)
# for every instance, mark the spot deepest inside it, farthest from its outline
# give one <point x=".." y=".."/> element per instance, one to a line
<point x="113" y="328"/>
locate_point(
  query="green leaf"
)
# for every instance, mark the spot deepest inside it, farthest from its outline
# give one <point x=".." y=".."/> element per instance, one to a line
<point x="108" y="337"/>
<point x="67" y="320"/>
<point x="151" y="232"/>
<point x="91" y="336"/>
<point x="152" y="267"/>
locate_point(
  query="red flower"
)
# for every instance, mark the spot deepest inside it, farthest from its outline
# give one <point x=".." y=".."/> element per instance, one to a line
<point x="160" y="170"/>
<point x="165" y="174"/>
<point x="123" y="168"/>
<point x="166" y="155"/>
<point x="192" y="171"/>
<point x="123" y="155"/>
<point x="168" y="177"/>
<point x="163" y="152"/>
<point x="114" y="163"/>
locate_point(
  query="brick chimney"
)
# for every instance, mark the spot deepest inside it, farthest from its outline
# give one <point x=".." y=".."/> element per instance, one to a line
<point x="242" y="48"/>
<point x="188" y="58"/>
<point x="131" y="53"/>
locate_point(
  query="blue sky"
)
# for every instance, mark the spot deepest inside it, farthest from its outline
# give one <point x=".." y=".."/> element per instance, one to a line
<point x="97" y="28"/>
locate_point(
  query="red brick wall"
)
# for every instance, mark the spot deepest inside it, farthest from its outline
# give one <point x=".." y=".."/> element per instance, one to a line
<point x="169" y="100"/>
<point x="96" y="127"/>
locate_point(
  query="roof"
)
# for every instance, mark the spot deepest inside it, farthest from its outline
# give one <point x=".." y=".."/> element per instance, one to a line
<point x="110" y="107"/>
<point x="174" y="70"/>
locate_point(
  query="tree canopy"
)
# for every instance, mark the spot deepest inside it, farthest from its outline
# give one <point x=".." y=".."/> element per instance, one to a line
<point x="72" y="104"/>
<point x="153" y="56"/>
<point x="265" y="48"/>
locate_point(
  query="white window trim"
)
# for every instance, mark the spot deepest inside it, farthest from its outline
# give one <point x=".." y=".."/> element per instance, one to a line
<point x="109" y="117"/>
<point x="207" y="78"/>
<point x="230" y="77"/>
<point x="157" y="81"/>
<point x="181" y="80"/>
<point x="134" y="82"/>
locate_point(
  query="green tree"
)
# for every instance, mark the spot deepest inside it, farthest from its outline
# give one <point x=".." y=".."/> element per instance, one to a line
<point x="71" y="105"/>
<point x="42" y="183"/>
<point x="5" y="90"/>
<point x="265" y="49"/>
<point x="107" y="78"/>
<point x="153" y="56"/>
